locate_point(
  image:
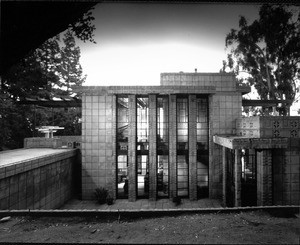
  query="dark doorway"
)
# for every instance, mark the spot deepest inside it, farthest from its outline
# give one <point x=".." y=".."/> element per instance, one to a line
<point x="249" y="179"/>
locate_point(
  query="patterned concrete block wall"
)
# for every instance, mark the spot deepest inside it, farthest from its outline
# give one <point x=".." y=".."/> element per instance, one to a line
<point x="264" y="178"/>
<point x="42" y="183"/>
<point x="237" y="177"/>
<point x="192" y="132"/>
<point x="67" y="141"/>
<point x="223" y="82"/>
<point x="285" y="162"/>
<point x="286" y="174"/>
<point x="224" y="110"/>
<point x="39" y="142"/>
<point x="152" y="147"/>
<point x="224" y="179"/>
<point x="269" y="126"/>
<point x="132" y="135"/>
<point x="172" y="146"/>
<point x="98" y="162"/>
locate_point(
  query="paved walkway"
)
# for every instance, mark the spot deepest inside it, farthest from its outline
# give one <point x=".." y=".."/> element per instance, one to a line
<point x="143" y="204"/>
<point x="22" y="155"/>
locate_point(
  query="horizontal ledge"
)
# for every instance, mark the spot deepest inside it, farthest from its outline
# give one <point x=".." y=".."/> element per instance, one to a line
<point x="243" y="142"/>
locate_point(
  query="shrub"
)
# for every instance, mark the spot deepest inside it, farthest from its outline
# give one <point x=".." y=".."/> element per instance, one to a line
<point x="202" y="192"/>
<point x="177" y="200"/>
<point x="101" y="195"/>
<point x="109" y="200"/>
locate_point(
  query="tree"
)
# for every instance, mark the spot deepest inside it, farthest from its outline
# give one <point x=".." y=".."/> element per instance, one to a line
<point x="268" y="50"/>
<point x="69" y="70"/>
<point x="52" y="70"/>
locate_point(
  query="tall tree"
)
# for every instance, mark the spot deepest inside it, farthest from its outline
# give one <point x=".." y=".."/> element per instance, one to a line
<point x="52" y="70"/>
<point x="69" y="69"/>
<point x="268" y="50"/>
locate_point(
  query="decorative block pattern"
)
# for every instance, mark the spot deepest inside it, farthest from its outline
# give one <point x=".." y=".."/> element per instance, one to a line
<point x="224" y="177"/>
<point x="237" y="177"/>
<point x="172" y="146"/>
<point x="98" y="162"/>
<point x="269" y="126"/>
<point x="222" y="81"/>
<point x="43" y="183"/>
<point x="264" y="177"/>
<point x="192" y="141"/>
<point x="286" y="176"/>
<point x="152" y="147"/>
<point x="132" y="182"/>
<point x="224" y="110"/>
<point x="112" y="185"/>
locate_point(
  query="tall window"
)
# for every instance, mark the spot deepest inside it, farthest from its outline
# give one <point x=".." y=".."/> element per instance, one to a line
<point x="142" y="146"/>
<point x="182" y="123"/>
<point x="202" y="146"/>
<point x="182" y="147"/>
<point x="162" y="146"/>
<point x="122" y="146"/>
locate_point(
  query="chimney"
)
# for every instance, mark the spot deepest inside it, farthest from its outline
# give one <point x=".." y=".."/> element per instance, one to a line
<point x="195" y="70"/>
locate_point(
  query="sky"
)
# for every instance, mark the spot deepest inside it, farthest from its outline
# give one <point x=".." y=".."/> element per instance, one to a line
<point x="138" y="41"/>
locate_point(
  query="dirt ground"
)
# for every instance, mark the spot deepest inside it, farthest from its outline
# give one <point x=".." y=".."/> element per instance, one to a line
<point x="252" y="227"/>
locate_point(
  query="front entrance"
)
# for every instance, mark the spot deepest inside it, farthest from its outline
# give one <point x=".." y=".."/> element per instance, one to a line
<point x="249" y="179"/>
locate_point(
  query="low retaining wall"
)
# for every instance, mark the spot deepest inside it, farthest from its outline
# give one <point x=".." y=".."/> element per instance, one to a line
<point x="45" y="182"/>
<point x="72" y="141"/>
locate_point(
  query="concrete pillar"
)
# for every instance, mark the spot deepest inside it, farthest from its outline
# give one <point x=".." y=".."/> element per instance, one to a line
<point x="113" y="191"/>
<point x="192" y="141"/>
<point x="264" y="177"/>
<point x="237" y="177"/>
<point x="152" y="147"/>
<point x="172" y="146"/>
<point x="132" y="179"/>
<point x="224" y="181"/>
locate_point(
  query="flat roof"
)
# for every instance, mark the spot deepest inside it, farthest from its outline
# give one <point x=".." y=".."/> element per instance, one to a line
<point x="102" y="90"/>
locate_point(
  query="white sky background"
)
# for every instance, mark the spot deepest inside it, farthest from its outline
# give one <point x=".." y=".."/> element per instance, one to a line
<point x="137" y="42"/>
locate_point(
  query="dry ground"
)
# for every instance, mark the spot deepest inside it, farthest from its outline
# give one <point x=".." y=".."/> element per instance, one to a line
<point x="244" y="227"/>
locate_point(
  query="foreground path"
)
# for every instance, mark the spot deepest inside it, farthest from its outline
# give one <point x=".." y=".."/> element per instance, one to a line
<point x="144" y="204"/>
<point x="251" y="227"/>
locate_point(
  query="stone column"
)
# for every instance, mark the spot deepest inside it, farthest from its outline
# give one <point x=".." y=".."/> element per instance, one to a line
<point x="132" y="180"/>
<point x="192" y="141"/>
<point x="172" y="146"/>
<point x="224" y="165"/>
<point x="264" y="178"/>
<point x="114" y="147"/>
<point x="237" y="177"/>
<point x="152" y="147"/>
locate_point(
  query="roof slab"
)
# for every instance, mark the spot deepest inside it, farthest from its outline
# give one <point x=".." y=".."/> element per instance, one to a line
<point x="242" y="142"/>
<point x="101" y="90"/>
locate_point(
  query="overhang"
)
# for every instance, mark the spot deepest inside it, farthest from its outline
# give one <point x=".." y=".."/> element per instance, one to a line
<point x="242" y="142"/>
<point x="102" y="90"/>
<point x="54" y="103"/>
<point x="25" y="25"/>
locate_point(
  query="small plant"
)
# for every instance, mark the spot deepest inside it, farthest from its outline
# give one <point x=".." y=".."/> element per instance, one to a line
<point x="109" y="200"/>
<point x="202" y="192"/>
<point x="177" y="200"/>
<point x="101" y="195"/>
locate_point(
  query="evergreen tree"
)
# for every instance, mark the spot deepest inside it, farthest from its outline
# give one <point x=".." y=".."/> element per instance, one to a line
<point x="52" y="70"/>
<point x="269" y="51"/>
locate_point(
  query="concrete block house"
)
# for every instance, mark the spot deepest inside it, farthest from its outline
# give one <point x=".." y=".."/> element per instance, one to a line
<point x="187" y="138"/>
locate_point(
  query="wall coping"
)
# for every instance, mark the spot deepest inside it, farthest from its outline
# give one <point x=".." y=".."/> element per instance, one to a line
<point x="17" y="167"/>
